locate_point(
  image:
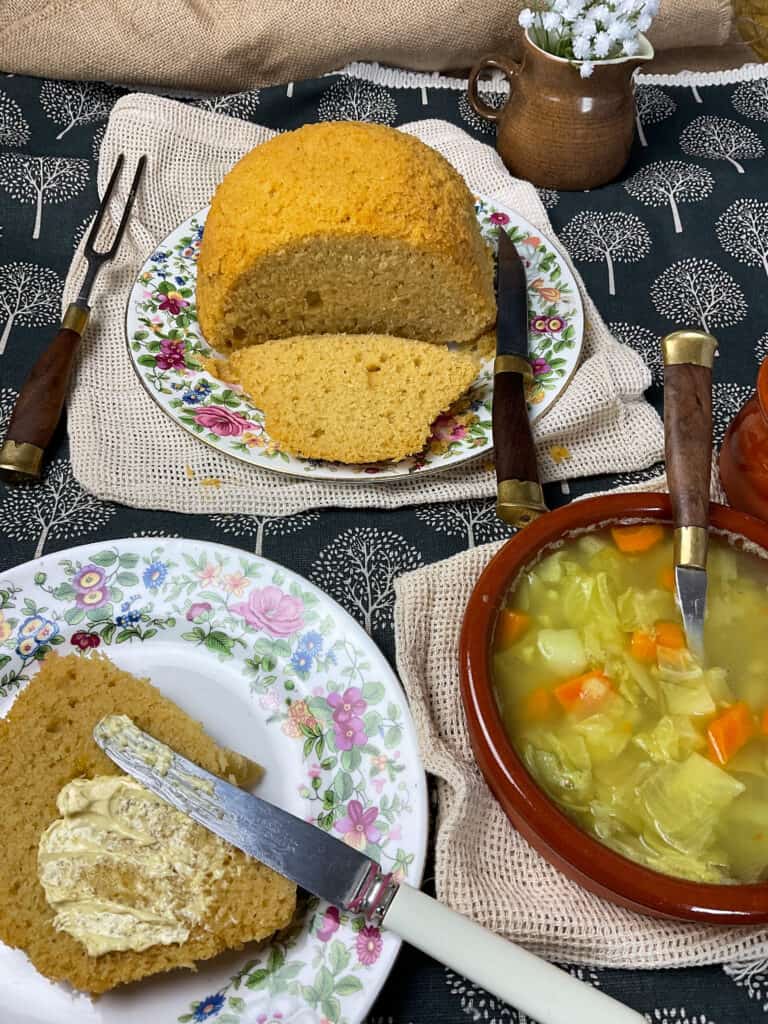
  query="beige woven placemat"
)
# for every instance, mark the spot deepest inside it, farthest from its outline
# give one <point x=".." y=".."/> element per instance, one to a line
<point x="125" y="449"/>
<point x="483" y="867"/>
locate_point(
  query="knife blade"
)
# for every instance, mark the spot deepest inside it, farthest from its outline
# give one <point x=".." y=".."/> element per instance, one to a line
<point x="688" y="359"/>
<point x="349" y="879"/>
<point x="520" y="498"/>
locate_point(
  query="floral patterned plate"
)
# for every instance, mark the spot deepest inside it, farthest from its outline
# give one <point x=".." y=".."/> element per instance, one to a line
<point x="276" y="670"/>
<point x="164" y="341"/>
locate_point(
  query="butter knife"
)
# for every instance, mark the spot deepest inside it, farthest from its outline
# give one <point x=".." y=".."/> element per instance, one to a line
<point x="520" y="498"/>
<point x="688" y="359"/>
<point x="348" y="879"/>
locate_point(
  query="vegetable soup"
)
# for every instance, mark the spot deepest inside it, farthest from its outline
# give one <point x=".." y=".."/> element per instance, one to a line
<point x="662" y="759"/>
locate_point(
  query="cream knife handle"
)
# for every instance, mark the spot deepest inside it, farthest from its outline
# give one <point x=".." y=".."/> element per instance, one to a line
<point x="509" y="972"/>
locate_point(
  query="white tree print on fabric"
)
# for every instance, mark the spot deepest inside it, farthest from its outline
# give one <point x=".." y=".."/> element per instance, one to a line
<point x="352" y="99"/>
<point x="42" y="180"/>
<point x="678" y="1015"/>
<point x="468" y="115"/>
<point x="614" y="237"/>
<point x="698" y="291"/>
<point x="751" y="99"/>
<point x="761" y="347"/>
<point x="53" y="508"/>
<point x="549" y="197"/>
<point x="14" y="130"/>
<point x="69" y="104"/>
<point x="8" y="398"/>
<point x="359" y="568"/>
<point x="98" y="138"/>
<point x="751" y="975"/>
<point x="82" y="227"/>
<point x="477" y="1004"/>
<point x="638" y="477"/>
<point x="696" y="94"/>
<point x="236" y="104"/>
<point x="475" y="521"/>
<point x="30" y="296"/>
<point x="255" y="528"/>
<point x="669" y="183"/>
<point x="721" y="138"/>
<point x="742" y="230"/>
<point x="727" y="398"/>
<point x="645" y="342"/>
<point x="652" y="105"/>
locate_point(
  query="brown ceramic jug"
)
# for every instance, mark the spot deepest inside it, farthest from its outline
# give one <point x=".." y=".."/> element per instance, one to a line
<point x="744" y="455"/>
<point x="557" y="129"/>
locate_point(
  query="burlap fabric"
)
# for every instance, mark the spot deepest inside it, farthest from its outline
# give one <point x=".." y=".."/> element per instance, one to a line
<point x="483" y="867"/>
<point x="236" y="44"/>
<point x="125" y="449"/>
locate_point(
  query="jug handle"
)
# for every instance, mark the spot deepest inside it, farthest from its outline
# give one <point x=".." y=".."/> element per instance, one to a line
<point x="508" y="67"/>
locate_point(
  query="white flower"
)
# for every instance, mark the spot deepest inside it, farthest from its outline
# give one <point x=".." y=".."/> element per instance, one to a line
<point x="630" y="46"/>
<point x="600" y="13"/>
<point x="585" y="26"/>
<point x="586" y="69"/>
<point x="644" y="22"/>
<point x="582" y="47"/>
<point x="602" y="44"/>
<point x="573" y="10"/>
<point x="526" y="17"/>
<point x="551" y="21"/>
<point x="651" y="8"/>
<point x="616" y="29"/>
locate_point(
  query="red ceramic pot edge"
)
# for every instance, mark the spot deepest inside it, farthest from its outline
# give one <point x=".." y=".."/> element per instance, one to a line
<point x="557" y="838"/>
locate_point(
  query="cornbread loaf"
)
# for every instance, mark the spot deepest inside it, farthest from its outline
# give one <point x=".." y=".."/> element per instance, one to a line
<point x="353" y="397"/>
<point x="343" y="227"/>
<point x="45" y="742"/>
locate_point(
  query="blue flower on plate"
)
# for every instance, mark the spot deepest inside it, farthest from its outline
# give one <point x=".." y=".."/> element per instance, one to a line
<point x="160" y="256"/>
<point x="208" y="1007"/>
<point x="301" y="660"/>
<point x="199" y="232"/>
<point x="312" y="643"/>
<point x="129" y="619"/>
<point x="197" y="394"/>
<point x="179" y="280"/>
<point x="154" y="575"/>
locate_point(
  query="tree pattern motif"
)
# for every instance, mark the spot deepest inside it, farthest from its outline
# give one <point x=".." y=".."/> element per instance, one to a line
<point x="652" y="105"/>
<point x="475" y="521"/>
<point x="613" y="237"/>
<point x="70" y="104"/>
<point x="30" y="296"/>
<point x="727" y="398"/>
<point x="495" y="100"/>
<point x="751" y="975"/>
<point x="644" y="342"/>
<point x="14" y="129"/>
<point x="8" y="398"/>
<point x="41" y="180"/>
<point x="742" y="230"/>
<point x="352" y="99"/>
<point x="256" y="528"/>
<point x="698" y="291"/>
<point x="669" y="183"/>
<point x="235" y="104"/>
<point x="359" y="568"/>
<point x="678" y="1015"/>
<point x="54" y="508"/>
<point x="549" y="197"/>
<point x="751" y="99"/>
<point x="761" y="347"/>
<point x="721" y="138"/>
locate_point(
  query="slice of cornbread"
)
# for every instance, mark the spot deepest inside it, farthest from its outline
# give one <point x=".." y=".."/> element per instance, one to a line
<point x="351" y="397"/>
<point x="46" y="741"/>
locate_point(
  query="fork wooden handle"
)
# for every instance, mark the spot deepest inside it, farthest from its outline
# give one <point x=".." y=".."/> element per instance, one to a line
<point x="38" y="408"/>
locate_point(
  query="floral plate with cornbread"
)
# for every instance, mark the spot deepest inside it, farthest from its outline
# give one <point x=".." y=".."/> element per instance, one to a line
<point x="165" y="346"/>
<point x="278" y="671"/>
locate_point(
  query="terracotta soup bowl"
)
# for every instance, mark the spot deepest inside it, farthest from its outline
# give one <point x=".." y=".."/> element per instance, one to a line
<point x="556" y="837"/>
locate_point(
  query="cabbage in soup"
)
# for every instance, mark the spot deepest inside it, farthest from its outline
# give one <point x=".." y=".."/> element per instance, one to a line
<point x="662" y="759"/>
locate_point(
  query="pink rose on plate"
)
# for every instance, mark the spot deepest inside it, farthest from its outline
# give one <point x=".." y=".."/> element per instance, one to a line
<point x="329" y="924"/>
<point x="273" y="611"/>
<point x="498" y="218"/>
<point x="446" y="428"/>
<point x="221" y="421"/>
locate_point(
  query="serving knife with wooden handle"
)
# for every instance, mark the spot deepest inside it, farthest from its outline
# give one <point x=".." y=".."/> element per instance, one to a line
<point x="520" y="498"/>
<point x="688" y="359"/>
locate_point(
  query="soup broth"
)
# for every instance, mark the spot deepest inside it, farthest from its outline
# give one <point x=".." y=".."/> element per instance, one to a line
<point x="660" y="758"/>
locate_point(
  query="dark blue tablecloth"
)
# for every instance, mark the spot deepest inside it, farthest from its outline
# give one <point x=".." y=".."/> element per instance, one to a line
<point x="704" y="146"/>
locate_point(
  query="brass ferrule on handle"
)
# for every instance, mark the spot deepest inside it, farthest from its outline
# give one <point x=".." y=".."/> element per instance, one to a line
<point x="513" y="364"/>
<point x="519" y="502"/>
<point x="694" y="347"/>
<point x="21" y="460"/>
<point x="76" y="318"/>
<point x="690" y="546"/>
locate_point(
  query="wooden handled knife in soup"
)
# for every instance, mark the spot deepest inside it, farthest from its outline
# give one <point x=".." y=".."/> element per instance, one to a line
<point x="662" y="759"/>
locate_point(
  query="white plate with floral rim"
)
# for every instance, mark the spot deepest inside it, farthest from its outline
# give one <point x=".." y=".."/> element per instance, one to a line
<point x="164" y="339"/>
<point x="265" y="660"/>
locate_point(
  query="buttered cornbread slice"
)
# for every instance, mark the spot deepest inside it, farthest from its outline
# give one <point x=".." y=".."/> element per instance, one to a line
<point x="102" y="883"/>
<point x="343" y="227"/>
<point x="350" y="398"/>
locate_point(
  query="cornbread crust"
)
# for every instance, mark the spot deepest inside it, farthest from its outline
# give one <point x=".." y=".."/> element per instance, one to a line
<point x="351" y="397"/>
<point x="343" y="227"/>
<point x="45" y="741"/>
